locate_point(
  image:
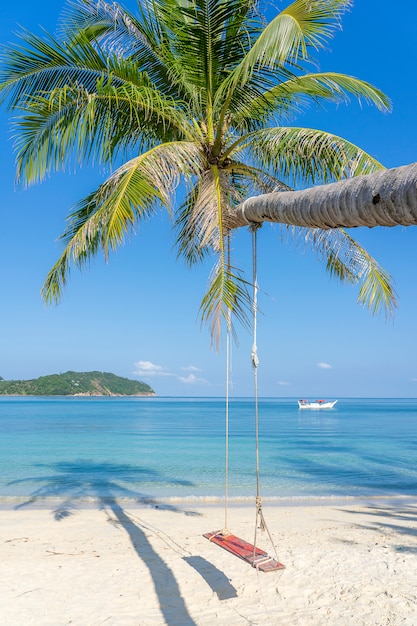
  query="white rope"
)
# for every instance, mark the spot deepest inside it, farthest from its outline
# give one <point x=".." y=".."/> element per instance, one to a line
<point x="228" y="367"/>
<point x="228" y="358"/>
<point x="259" y="520"/>
<point x="254" y="355"/>
<point x="257" y="561"/>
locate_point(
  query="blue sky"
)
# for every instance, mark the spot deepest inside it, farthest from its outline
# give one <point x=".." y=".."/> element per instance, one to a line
<point x="137" y="316"/>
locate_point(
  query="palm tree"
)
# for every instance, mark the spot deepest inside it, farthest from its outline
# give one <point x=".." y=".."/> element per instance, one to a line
<point x="193" y="93"/>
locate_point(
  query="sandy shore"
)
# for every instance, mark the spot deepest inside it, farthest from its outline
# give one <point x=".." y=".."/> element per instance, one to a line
<point x="116" y="564"/>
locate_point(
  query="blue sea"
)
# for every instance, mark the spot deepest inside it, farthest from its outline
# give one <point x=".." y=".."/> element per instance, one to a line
<point x="173" y="449"/>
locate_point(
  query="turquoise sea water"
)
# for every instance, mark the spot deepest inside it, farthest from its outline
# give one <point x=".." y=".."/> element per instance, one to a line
<point x="173" y="448"/>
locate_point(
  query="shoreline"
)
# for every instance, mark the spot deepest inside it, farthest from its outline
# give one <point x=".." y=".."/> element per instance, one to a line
<point x="114" y="564"/>
<point x="47" y="503"/>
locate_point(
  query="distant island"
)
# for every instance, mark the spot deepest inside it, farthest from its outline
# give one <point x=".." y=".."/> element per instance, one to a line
<point x="76" y="384"/>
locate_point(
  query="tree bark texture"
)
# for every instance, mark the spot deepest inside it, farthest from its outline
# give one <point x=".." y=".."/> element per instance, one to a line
<point x="385" y="198"/>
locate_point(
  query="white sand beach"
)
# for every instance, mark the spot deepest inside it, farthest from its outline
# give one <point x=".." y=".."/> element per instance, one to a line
<point x="120" y="565"/>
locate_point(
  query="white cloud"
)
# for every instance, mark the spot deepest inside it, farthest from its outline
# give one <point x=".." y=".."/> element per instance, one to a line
<point x="146" y="369"/>
<point x="191" y="379"/>
<point x="324" y="366"/>
<point x="283" y="383"/>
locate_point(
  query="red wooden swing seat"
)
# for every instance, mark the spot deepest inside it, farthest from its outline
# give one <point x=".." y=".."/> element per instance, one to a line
<point x="254" y="556"/>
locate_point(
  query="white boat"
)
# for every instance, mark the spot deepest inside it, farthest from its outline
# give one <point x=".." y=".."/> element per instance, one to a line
<point x="318" y="404"/>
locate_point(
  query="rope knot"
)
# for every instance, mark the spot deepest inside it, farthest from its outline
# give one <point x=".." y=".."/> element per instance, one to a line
<point x="254" y="356"/>
<point x="259" y="514"/>
<point x="253" y="226"/>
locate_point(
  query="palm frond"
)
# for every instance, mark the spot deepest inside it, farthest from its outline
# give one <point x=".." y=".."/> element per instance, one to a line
<point x="226" y="299"/>
<point x="376" y="286"/>
<point x="72" y="123"/>
<point x="200" y="224"/>
<point x="120" y="34"/>
<point x="187" y="243"/>
<point x="57" y="279"/>
<point x="307" y="156"/>
<point x="286" y="39"/>
<point x="208" y="36"/>
<point x="227" y="292"/>
<point x="196" y="222"/>
<point x="315" y="21"/>
<point x="277" y="52"/>
<point x="44" y="64"/>
<point x="104" y="22"/>
<point x="103" y="219"/>
<point x="288" y="97"/>
<point x="348" y="261"/>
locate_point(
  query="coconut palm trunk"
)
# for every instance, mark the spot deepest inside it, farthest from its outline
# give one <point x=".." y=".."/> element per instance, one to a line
<point x="385" y="198"/>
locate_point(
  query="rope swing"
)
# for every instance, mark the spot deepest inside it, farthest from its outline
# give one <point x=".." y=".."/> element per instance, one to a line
<point x="224" y="538"/>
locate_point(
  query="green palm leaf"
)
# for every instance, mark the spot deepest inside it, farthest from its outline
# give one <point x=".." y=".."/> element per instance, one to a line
<point x="103" y="219"/>
<point x="309" y="155"/>
<point x="227" y="291"/>
<point x="286" y="39"/>
<point x="288" y="97"/>
<point x="44" y="64"/>
<point x="349" y="262"/>
<point x="72" y="123"/>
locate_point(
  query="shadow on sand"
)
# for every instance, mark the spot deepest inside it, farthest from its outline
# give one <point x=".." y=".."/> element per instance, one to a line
<point x="400" y="518"/>
<point x="106" y="486"/>
<point x="215" y="579"/>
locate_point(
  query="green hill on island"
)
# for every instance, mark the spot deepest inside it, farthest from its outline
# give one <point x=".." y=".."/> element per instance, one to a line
<point x="76" y="384"/>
